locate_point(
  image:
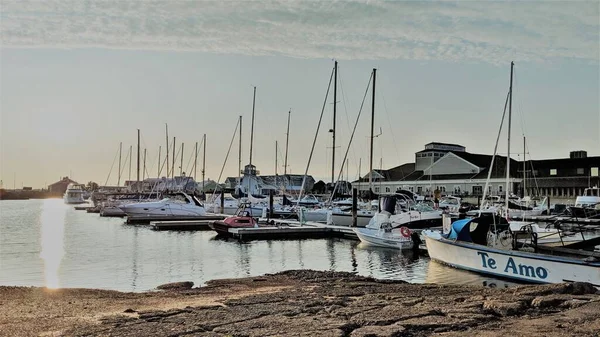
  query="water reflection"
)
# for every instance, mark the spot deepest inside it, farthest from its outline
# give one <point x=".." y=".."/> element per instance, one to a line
<point x="440" y="273"/>
<point x="52" y="220"/>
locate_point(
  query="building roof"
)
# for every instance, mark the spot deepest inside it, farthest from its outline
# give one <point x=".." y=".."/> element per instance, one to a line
<point x="565" y="163"/>
<point x="65" y="180"/>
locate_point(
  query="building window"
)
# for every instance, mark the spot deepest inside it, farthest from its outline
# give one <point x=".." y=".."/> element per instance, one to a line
<point x="412" y="189"/>
<point x="499" y="188"/>
<point x="419" y="189"/>
<point x="376" y="189"/>
<point x="552" y="172"/>
<point x="594" y="172"/>
<point x="580" y="170"/>
<point x="387" y="190"/>
<point x="489" y="189"/>
<point x="456" y="189"/>
<point x="430" y="154"/>
<point x="477" y="190"/>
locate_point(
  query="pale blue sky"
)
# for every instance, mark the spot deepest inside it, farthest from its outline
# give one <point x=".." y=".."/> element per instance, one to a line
<point x="76" y="80"/>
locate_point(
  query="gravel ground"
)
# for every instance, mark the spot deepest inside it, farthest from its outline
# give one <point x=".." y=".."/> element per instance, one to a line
<point x="303" y="303"/>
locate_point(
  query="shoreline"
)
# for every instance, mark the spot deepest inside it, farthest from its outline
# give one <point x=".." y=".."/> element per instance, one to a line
<point x="303" y="302"/>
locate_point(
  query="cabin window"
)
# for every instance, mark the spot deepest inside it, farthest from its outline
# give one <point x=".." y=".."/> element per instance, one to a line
<point x="580" y="170"/>
<point x="552" y="172"/>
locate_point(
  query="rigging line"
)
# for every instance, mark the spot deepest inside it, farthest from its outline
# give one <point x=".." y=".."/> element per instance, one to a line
<point x="347" y="116"/>
<point x="487" y="181"/>
<point x="111" y="167"/>
<point x="315" y="138"/>
<point x="391" y="129"/>
<point x="225" y="162"/>
<point x="351" y="138"/>
<point x="125" y="163"/>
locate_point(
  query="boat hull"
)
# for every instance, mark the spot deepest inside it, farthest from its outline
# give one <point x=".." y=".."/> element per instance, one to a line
<point x="343" y="219"/>
<point x="388" y="240"/>
<point x="521" y="266"/>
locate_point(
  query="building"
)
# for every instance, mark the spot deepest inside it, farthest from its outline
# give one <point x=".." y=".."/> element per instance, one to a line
<point x="60" y="187"/>
<point x="291" y="183"/>
<point x="450" y="169"/>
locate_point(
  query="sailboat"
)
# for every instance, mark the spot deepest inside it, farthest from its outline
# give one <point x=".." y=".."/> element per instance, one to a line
<point x="486" y="245"/>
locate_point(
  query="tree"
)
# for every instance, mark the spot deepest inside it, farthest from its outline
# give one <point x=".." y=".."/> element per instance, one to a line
<point x="91" y="186"/>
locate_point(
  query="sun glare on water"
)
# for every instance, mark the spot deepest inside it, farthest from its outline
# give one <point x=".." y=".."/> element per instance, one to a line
<point x="52" y="221"/>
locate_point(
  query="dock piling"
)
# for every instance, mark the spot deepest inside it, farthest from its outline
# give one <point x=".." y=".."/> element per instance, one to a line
<point x="354" y="210"/>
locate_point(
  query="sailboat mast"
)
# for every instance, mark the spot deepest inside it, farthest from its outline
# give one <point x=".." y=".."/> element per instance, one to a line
<point x="173" y="163"/>
<point x="181" y="166"/>
<point x="275" y="163"/>
<point x="195" y="159"/>
<point x="167" y="141"/>
<point x="138" y="159"/>
<point x="119" y="176"/>
<point x="252" y="124"/>
<point x="372" y="130"/>
<point x="524" y="168"/>
<point x="130" y="153"/>
<point x="287" y="140"/>
<point x="144" y="170"/>
<point x="159" y="165"/>
<point x="334" y="120"/>
<point x="240" y="154"/>
<point x="512" y="65"/>
<point x="203" y="160"/>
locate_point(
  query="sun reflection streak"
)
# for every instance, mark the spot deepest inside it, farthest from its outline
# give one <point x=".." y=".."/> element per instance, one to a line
<point x="52" y="231"/>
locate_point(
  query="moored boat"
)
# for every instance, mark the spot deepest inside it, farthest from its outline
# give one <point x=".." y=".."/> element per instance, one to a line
<point x="180" y="204"/>
<point x="74" y="194"/>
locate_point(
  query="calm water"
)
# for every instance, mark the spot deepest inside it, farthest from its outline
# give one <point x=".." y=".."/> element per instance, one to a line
<point x="48" y="243"/>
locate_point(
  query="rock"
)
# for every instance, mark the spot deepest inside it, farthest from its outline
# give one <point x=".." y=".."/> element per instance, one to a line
<point x="129" y="310"/>
<point x="582" y="288"/>
<point x="504" y="308"/>
<point x="550" y="301"/>
<point x="574" y="303"/>
<point x="375" y="330"/>
<point x="176" y="286"/>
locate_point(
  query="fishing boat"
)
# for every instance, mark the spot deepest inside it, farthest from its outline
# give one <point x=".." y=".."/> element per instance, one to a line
<point x="485" y="245"/>
<point x="74" y="194"/>
<point x="179" y="204"/>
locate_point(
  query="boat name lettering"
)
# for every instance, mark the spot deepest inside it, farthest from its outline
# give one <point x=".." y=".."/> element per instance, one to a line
<point x="514" y="268"/>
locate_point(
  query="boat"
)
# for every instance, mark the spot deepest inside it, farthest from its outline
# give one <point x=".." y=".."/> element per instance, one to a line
<point x="484" y="245"/>
<point x="74" y="194"/>
<point x="339" y="218"/>
<point x="586" y="205"/>
<point x="243" y="219"/>
<point x="180" y="204"/>
<point x="397" y="238"/>
<point x="402" y="212"/>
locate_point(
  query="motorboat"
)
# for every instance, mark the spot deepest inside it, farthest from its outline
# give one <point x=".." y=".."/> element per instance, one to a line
<point x="586" y="205"/>
<point x="399" y="213"/>
<point x="74" y="194"/>
<point x="180" y="204"/>
<point x="485" y="245"/>
<point x="243" y="219"/>
<point x="341" y="218"/>
<point x="385" y="235"/>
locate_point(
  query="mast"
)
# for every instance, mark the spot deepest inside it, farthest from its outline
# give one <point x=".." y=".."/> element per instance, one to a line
<point x="167" y="141"/>
<point x="287" y="140"/>
<point x="524" y="168"/>
<point x="203" y="160"/>
<point x="119" y="176"/>
<point x="275" y="163"/>
<point x="334" y="120"/>
<point x="181" y="166"/>
<point x="512" y="65"/>
<point x="252" y="125"/>
<point x="372" y="129"/>
<point x="159" y="166"/>
<point x="359" y="167"/>
<point x="195" y="159"/>
<point x="240" y="155"/>
<point x="144" y="170"/>
<point x="173" y="164"/>
<point x="130" y="153"/>
<point x="138" y="159"/>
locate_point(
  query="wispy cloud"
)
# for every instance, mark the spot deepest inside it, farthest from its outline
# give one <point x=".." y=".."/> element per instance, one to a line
<point x="480" y="31"/>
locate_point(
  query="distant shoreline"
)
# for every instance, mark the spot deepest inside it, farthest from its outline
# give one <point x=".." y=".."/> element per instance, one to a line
<point x="303" y="302"/>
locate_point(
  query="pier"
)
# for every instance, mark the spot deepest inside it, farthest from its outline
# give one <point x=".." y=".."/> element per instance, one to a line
<point x="145" y="219"/>
<point x="181" y="225"/>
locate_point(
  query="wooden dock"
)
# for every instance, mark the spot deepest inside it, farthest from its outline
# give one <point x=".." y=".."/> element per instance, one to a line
<point x="83" y="208"/>
<point x="290" y="229"/>
<point x="145" y="219"/>
<point x="182" y="225"/>
<point x="555" y="218"/>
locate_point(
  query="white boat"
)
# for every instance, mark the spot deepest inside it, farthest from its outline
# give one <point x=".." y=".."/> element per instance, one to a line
<point x="471" y="245"/>
<point x="386" y="236"/>
<point x="339" y="218"/>
<point x="74" y="194"/>
<point x="180" y="204"/>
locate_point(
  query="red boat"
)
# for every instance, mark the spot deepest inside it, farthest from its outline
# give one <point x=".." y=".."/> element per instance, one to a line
<point x="243" y="219"/>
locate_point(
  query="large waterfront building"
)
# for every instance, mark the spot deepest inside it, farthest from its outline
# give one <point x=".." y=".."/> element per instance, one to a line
<point x="450" y="169"/>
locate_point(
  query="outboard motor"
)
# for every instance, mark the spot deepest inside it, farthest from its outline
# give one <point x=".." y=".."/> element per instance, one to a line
<point x="388" y="204"/>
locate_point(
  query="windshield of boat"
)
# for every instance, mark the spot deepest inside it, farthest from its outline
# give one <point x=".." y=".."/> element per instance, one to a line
<point x="422" y="207"/>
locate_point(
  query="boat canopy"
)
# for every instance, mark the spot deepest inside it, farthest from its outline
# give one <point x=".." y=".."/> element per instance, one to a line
<point x="475" y="229"/>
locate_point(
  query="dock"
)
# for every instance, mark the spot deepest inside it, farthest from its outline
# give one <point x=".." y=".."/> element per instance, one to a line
<point x="289" y="229"/>
<point x="145" y="219"/>
<point x="83" y="208"/>
<point x="181" y="225"/>
<point x="563" y="219"/>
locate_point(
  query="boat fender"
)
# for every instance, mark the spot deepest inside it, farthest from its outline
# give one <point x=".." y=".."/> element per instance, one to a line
<point x="405" y="232"/>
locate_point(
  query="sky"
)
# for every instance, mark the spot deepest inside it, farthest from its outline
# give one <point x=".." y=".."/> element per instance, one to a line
<point x="79" y="77"/>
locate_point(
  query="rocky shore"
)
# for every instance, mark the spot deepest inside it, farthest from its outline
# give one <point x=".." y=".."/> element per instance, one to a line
<point x="303" y="303"/>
